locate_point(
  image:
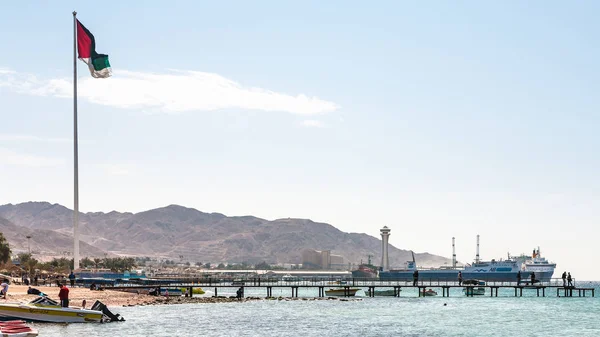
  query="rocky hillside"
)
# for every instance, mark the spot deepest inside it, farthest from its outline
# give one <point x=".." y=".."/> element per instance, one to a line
<point x="175" y="230"/>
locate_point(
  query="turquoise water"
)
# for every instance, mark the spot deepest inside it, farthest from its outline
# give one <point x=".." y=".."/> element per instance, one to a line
<point x="404" y="316"/>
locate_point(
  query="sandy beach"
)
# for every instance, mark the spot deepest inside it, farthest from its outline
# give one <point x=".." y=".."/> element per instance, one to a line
<point x="18" y="293"/>
<point x="112" y="298"/>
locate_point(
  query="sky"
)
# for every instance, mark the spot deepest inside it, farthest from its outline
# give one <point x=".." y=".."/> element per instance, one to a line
<point x="438" y="119"/>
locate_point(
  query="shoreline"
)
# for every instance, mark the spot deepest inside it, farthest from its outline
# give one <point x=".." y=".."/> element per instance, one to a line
<point x="114" y="298"/>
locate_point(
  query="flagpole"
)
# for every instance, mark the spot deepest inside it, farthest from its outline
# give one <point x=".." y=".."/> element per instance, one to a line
<point x="75" y="152"/>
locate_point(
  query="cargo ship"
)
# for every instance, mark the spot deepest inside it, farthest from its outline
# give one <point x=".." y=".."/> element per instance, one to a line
<point x="495" y="271"/>
<point x="365" y="270"/>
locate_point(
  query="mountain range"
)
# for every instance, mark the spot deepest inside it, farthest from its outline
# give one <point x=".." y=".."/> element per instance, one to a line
<point x="176" y="232"/>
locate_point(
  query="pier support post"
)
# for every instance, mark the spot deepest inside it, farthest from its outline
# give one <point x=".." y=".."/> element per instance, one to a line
<point x="216" y="292"/>
<point x="521" y="292"/>
<point x="538" y="291"/>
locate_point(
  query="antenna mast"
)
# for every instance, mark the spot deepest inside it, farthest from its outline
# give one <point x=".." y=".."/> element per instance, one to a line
<point x="477" y="254"/>
<point x="453" y="254"/>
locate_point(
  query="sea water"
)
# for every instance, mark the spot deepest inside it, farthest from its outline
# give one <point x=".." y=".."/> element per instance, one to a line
<point x="407" y="315"/>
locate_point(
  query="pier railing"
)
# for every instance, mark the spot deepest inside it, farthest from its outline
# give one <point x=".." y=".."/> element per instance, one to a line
<point x="328" y="282"/>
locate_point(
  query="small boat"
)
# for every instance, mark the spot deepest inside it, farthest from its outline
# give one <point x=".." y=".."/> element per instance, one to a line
<point x="43" y="309"/>
<point x="195" y="291"/>
<point x="338" y="282"/>
<point x="289" y="278"/>
<point x="238" y="282"/>
<point x="429" y="292"/>
<point x="389" y="292"/>
<point x="341" y="292"/>
<point x="476" y="291"/>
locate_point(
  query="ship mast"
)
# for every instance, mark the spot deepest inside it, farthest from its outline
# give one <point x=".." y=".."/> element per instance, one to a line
<point x="453" y="254"/>
<point x="477" y="254"/>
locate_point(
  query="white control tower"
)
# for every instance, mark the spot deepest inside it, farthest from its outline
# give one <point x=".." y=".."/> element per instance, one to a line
<point x="385" y="237"/>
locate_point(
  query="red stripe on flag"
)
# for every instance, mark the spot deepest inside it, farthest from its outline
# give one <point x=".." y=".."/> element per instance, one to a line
<point x="84" y="42"/>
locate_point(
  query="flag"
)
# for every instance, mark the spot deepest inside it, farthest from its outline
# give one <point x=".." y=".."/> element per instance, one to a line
<point x="86" y="48"/>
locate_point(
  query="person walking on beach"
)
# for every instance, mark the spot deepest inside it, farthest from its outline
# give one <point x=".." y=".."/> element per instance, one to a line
<point x="460" y="279"/>
<point x="519" y="278"/>
<point x="415" y="278"/>
<point x="63" y="295"/>
<point x="72" y="278"/>
<point x="4" y="288"/>
<point x="570" y="280"/>
<point x="564" y="278"/>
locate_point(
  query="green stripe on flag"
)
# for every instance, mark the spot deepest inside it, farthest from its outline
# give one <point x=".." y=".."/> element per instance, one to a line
<point x="100" y="62"/>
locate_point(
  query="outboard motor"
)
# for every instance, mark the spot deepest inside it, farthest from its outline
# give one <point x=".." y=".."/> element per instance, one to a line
<point x="110" y="317"/>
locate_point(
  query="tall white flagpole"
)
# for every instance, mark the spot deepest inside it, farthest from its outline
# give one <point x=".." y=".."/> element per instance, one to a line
<point x="75" y="151"/>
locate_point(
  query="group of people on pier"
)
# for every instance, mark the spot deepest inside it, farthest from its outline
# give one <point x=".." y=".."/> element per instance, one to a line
<point x="566" y="277"/>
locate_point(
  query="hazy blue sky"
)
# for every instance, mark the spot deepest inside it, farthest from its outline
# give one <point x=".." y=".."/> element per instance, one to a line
<point x="437" y="119"/>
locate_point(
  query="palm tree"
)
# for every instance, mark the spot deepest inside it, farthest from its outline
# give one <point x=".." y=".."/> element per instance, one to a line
<point x="4" y="249"/>
<point x="31" y="263"/>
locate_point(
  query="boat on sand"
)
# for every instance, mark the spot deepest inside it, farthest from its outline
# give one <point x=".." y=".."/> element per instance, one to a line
<point x="43" y="309"/>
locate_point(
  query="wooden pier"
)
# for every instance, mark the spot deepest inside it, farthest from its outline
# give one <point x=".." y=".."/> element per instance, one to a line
<point x="370" y="286"/>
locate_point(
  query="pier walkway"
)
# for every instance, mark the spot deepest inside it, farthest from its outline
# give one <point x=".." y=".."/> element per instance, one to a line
<point x="369" y="285"/>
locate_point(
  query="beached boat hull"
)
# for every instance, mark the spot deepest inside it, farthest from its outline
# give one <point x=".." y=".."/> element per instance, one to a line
<point x="54" y="314"/>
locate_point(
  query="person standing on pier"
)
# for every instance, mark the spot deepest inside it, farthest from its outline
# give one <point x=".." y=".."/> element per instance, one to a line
<point x="570" y="280"/>
<point x="564" y="278"/>
<point x="519" y="278"/>
<point x="415" y="278"/>
<point x="532" y="278"/>
<point x="460" y="279"/>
